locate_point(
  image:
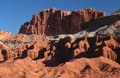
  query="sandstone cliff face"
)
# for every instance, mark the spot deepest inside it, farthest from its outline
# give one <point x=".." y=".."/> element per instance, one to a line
<point x="54" y="22"/>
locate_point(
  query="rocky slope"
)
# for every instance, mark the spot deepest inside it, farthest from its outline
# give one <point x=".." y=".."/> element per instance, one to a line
<point x="83" y="58"/>
<point x="90" y="68"/>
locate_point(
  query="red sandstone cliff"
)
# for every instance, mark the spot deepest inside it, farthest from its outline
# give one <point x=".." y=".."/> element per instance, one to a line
<point x="53" y="21"/>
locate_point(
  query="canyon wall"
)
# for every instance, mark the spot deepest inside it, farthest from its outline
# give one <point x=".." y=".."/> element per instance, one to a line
<point x="54" y="22"/>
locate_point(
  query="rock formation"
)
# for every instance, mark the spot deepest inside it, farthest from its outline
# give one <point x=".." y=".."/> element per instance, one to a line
<point x="33" y="54"/>
<point x="99" y="22"/>
<point x="54" y="22"/>
<point x="4" y="35"/>
<point x="79" y="68"/>
<point x="64" y="50"/>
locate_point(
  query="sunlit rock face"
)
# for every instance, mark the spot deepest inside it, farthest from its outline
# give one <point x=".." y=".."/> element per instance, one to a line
<point x="54" y="22"/>
<point x="4" y="35"/>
